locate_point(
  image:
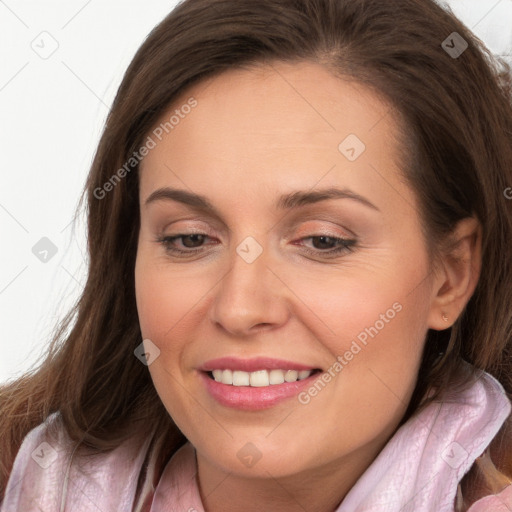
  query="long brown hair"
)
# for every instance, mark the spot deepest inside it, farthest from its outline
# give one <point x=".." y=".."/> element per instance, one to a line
<point x="456" y="139"/>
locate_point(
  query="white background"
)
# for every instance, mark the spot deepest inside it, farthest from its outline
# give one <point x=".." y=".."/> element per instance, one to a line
<point x="52" y="112"/>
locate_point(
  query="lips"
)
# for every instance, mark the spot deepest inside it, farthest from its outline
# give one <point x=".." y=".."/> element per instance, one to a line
<point x="234" y="391"/>
<point x="253" y="365"/>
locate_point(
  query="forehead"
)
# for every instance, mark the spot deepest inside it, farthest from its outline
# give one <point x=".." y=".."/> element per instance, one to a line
<point x="276" y="125"/>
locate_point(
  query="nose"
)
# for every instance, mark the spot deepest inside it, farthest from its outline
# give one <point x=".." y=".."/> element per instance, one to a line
<point x="250" y="297"/>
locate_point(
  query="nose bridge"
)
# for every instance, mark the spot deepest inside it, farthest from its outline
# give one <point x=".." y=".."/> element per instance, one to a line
<point x="248" y="295"/>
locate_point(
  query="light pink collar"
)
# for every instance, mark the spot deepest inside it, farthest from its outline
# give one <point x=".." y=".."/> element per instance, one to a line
<point x="417" y="471"/>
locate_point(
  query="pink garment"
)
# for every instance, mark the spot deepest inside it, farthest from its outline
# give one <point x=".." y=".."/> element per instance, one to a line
<point x="417" y="471"/>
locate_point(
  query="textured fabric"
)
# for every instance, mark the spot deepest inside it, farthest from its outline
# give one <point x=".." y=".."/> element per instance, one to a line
<point x="178" y="489"/>
<point x="96" y="483"/>
<point x="418" y="470"/>
<point x="420" y="467"/>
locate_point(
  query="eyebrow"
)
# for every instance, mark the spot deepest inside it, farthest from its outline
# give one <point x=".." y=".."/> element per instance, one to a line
<point x="288" y="201"/>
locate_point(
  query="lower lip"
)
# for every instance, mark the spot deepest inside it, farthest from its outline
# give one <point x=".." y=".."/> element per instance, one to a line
<point x="254" y="398"/>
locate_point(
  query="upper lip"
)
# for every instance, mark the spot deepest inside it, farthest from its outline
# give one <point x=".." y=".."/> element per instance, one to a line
<point x="253" y="364"/>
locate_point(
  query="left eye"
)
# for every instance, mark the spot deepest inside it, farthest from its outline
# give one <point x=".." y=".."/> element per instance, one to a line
<point x="344" y="244"/>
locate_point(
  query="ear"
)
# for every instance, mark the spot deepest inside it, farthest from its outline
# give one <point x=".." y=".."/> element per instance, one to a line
<point x="457" y="274"/>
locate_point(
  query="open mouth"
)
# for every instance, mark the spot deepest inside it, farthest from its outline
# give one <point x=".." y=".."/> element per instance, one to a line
<point x="259" y="378"/>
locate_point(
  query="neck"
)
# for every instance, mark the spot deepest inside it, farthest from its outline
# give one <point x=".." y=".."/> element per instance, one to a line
<point x="319" y="489"/>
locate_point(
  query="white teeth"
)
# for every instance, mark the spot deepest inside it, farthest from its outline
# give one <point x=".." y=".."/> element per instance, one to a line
<point x="260" y="378"/>
<point x="240" y="378"/>
<point x="227" y="377"/>
<point x="276" y="377"/>
<point x="291" y="375"/>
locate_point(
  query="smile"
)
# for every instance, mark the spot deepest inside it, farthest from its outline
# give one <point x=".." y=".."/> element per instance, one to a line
<point x="259" y="378"/>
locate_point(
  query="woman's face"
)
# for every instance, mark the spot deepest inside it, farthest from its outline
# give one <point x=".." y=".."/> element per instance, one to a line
<point x="256" y="275"/>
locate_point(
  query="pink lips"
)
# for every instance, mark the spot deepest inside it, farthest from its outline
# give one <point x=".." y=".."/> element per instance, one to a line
<point x="253" y="398"/>
<point x="252" y="365"/>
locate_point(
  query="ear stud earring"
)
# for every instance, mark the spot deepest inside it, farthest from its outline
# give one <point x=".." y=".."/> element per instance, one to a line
<point x="445" y="317"/>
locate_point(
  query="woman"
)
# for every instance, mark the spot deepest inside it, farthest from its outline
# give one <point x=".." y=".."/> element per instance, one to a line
<point x="260" y="368"/>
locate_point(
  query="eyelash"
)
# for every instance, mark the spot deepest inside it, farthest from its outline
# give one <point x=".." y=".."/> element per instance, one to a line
<point x="347" y="245"/>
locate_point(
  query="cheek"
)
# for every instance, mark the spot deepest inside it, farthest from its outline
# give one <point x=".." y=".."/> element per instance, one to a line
<point x="373" y="326"/>
<point x="363" y="308"/>
<point x="375" y="360"/>
<point x="165" y="308"/>
<point x="165" y="301"/>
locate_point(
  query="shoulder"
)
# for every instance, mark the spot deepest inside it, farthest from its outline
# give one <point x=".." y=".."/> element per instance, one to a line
<point x="51" y="471"/>
<point x="489" y="480"/>
<point x="490" y="476"/>
<point x="40" y="461"/>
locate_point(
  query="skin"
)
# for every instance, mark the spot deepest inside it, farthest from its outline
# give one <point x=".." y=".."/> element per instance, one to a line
<point x="256" y="134"/>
